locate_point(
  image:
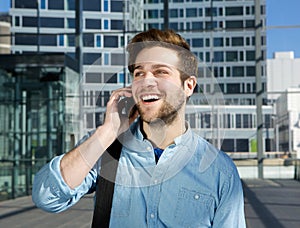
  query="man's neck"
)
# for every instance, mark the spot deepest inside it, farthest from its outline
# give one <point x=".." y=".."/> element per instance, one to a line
<point x="162" y="135"/>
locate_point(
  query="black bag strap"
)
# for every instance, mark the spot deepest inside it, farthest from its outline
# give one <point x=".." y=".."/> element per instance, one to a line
<point x="105" y="186"/>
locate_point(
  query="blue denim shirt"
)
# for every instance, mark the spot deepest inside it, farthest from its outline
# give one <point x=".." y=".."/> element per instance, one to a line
<point x="192" y="185"/>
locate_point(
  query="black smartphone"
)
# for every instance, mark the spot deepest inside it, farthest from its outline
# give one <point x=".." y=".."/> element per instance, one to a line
<point x="126" y="106"/>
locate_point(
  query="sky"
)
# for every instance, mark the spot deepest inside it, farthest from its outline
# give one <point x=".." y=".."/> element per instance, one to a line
<point x="279" y="13"/>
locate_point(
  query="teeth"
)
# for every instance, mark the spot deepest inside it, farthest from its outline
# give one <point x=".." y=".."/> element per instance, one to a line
<point x="150" y="97"/>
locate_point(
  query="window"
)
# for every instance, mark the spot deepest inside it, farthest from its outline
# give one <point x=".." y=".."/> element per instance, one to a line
<point x="121" y="77"/>
<point x="70" y="22"/>
<point x="17" y="21"/>
<point x="116" y="6"/>
<point x="30" y="4"/>
<point x="88" y="40"/>
<point x="250" y="71"/>
<point x="233" y="88"/>
<point x="23" y="39"/>
<point x="91" y="58"/>
<point x="173" y="13"/>
<point x="228" y="145"/>
<point x="42" y="4"/>
<point x="196" y="25"/>
<point x="238" y="121"/>
<point x="56" y="4"/>
<point x="106" y="59"/>
<point x="116" y="24"/>
<point x="250" y="24"/>
<point x="197" y="42"/>
<point x="61" y="40"/>
<point x="48" y="40"/>
<point x="234" y="11"/>
<point x="210" y="12"/>
<point x="98" y="40"/>
<point x="93" y="24"/>
<point x="110" y="78"/>
<point x="250" y="55"/>
<point x="29" y="22"/>
<point x="218" y="56"/>
<point x="231" y="56"/>
<point x="110" y="41"/>
<point x="90" y="120"/>
<point x="105" y="6"/>
<point x="152" y="13"/>
<point x="51" y="22"/>
<point x="106" y="24"/>
<point x="238" y="71"/>
<point x="191" y="12"/>
<point x="234" y="24"/>
<point x="242" y="145"/>
<point x="173" y="25"/>
<point x="93" y="78"/>
<point x="117" y="59"/>
<point x="71" y="4"/>
<point x="218" y="42"/>
<point x="92" y="5"/>
<point x="237" y="41"/>
<point x="71" y="40"/>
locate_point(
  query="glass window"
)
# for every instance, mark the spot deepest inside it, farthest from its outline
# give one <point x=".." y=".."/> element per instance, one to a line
<point x="231" y="56"/>
<point x="51" y="22"/>
<point x="42" y="4"/>
<point x="218" y="42"/>
<point x="117" y="59"/>
<point x="238" y="121"/>
<point x="116" y="24"/>
<point x="93" y="78"/>
<point x="70" y="4"/>
<point x="30" y="22"/>
<point x="71" y="22"/>
<point x="111" y="41"/>
<point x="71" y="40"/>
<point x="234" y="11"/>
<point x="237" y="41"/>
<point x="173" y="13"/>
<point x="106" y="24"/>
<point x="56" y="4"/>
<point x="61" y="40"/>
<point x="228" y="145"/>
<point x="218" y="56"/>
<point x="110" y="78"/>
<point x="91" y="58"/>
<point x="173" y="25"/>
<point x="17" y="21"/>
<point x="234" y="24"/>
<point x="98" y="41"/>
<point x="89" y="120"/>
<point x="250" y="55"/>
<point x="92" y="5"/>
<point x="48" y="40"/>
<point x="250" y="71"/>
<point x="210" y="12"/>
<point x="209" y="25"/>
<point x="106" y="59"/>
<point x="250" y="24"/>
<point x="121" y="77"/>
<point x="116" y="6"/>
<point x="153" y="25"/>
<point x="200" y="12"/>
<point x="233" y="88"/>
<point x="196" y="25"/>
<point x="88" y="40"/>
<point x="105" y="6"/>
<point x="25" y="39"/>
<point x="152" y="13"/>
<point x="197" y="42"/>
<point x="242" y="145"/>
<point x="30" y="4"/>
<point x="93" y="24"/>
<point x="238" y="71"/>
<point x="191" y="12"/>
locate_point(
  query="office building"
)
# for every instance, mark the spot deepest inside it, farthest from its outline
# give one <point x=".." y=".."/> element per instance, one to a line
<point x="221" y="33"/>
<point x="47" y="26"/>
<point x="4" y="33"/>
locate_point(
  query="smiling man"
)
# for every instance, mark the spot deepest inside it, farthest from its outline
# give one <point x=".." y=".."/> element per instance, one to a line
<point x="167" y="176"/>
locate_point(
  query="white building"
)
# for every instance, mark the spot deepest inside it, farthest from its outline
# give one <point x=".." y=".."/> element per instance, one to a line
<point x="283" y="72"/>
<point x="288" y="121"/>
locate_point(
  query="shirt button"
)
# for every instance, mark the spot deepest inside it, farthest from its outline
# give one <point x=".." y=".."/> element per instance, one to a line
<point x="152" y="215"/>
<point x="149" y="148"/>
<point x="196" y="197"/>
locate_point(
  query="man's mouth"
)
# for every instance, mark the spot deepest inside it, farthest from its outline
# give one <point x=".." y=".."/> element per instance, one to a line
<point x="150" y="98"/>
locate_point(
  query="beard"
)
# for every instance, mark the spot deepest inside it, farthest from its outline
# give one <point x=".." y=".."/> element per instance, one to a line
<point x="167" y="112"/>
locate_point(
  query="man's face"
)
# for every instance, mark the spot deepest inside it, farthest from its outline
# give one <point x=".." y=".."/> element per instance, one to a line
<point x="157" y="88"/>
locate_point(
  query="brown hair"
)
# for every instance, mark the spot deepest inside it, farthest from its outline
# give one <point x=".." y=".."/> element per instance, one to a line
<point x="169" y="39"/>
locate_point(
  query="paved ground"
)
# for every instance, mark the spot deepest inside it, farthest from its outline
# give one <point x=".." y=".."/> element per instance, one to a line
<point x="268" y="203"/>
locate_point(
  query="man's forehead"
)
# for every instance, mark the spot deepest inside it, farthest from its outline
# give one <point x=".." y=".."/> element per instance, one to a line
<point x="157" y="55"/>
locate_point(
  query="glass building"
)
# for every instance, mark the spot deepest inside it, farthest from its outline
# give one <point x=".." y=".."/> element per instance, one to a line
<point x="39" y="116"/>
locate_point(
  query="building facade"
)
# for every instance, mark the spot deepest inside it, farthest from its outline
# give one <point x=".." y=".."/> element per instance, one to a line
<point x="47" y="26"/>
<point x="221" y="33"/>
<point x="4" y="34"/>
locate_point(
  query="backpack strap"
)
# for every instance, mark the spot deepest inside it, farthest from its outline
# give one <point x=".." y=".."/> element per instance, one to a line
<point x="106" y="184"/>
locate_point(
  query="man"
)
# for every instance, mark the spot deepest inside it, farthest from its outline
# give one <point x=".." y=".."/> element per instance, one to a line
<point x="167" y="175"/>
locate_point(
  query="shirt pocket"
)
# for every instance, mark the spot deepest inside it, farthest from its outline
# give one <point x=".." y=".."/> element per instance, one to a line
<point x="194" y="209"/>
<point x="121" y="201"/>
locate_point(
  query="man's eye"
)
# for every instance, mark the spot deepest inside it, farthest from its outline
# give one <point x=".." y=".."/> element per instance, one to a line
<point x="161" y="72"/>
<point x="138" y="74"/>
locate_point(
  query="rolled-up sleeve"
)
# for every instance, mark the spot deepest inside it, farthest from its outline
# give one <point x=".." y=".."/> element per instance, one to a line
<point x="52" y="194"/>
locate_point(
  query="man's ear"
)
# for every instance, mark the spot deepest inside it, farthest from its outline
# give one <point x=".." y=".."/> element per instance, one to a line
<point x="189" y="85"/>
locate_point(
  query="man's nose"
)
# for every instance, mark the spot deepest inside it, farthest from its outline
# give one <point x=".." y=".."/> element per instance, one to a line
<point x="150" y="79"/>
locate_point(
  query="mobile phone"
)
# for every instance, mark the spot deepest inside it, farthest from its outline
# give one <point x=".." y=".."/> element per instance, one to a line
<point x="126" y="106"/>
